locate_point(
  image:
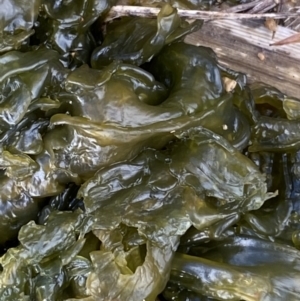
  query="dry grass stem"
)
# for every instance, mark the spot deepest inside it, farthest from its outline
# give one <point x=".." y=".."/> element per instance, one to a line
<point x="290" y="40"/>
<point x="263" y="6"/>
<point x="151" y="12"/>
<point x="241" y="7"/>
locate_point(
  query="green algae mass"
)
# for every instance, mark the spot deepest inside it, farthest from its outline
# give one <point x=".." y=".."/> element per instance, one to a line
<point x="129" y="173"/>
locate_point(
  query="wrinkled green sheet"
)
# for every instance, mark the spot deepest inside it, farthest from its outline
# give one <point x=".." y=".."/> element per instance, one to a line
<point x="127" y="170"/>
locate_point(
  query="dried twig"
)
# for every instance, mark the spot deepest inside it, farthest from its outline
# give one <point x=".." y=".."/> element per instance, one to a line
<point x="241" y="7"/>
<point x="265" y="9"/>
<point x="290" y="40"/>
<point x="151" y="12"/>
<point x="262" y="6"/>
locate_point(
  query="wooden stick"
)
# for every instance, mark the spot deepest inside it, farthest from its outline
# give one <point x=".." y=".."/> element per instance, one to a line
<point x="262" y="5"/>
<point x="290" y="40"/>
<point x="151" y="12"/>
<point x="241" y="7"/>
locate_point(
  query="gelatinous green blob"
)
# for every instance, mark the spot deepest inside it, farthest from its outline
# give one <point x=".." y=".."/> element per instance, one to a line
<point x="240" y="268"/>
<point x="292" y="108"/>
<point x="195" y="84"/>
<point x="268" y="100"/>
<point x="17" y="21"/>
<point x="137" y="40"/>
<point x="65" y="26"/>
<point x="115" y="111"/>
<point x="141" y="175"/>
<point x="275" y="134"/>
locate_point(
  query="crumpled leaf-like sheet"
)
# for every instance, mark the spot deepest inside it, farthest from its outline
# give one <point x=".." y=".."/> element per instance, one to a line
<point x="34" y="86"/>
<point x="98" y="136"/>
<point x="162" y="158"/>
<point x="277" y="220"/>
<point x="48" y="248"/>
<point x="154" y="198"/>
<point x="240" y="268"/>
<point x="277" y="129"/>
<point x="162" y="204"/>
<point x="137" y="40"/>
<point x="65" y="26"/>
<point x="291" y="107"/>
<point x="17" y="18"/>
<point x="274" y="134"/>
<point x="190" y="94"/>
<point x="24" y="78"/>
